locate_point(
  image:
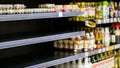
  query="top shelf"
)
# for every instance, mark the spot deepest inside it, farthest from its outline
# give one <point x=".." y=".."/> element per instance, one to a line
<point x="14" y="17"/>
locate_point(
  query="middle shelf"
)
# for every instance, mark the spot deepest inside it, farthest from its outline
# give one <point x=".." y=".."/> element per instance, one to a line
<point x="39" y="39"/>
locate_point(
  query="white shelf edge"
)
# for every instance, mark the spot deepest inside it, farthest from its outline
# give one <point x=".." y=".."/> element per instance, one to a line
<point x="14" y="17"/>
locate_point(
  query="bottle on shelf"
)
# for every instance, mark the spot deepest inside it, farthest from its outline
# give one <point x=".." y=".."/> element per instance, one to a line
<point x="83" y="8"/>
<point x="117" y="33"/>
<point x="92" y="41"/>
<point x="74" y="64"/>
<point x="87" y="42"/>
<point x="99" y="37"/>
<point x="103" y="34"/>
<point x="67" y="65"/>
<point x="119" y="9"/>
<point x="80" y="63"/>
<point x="99" y="12"/>
<point x="118" y="58"/>
<point x="112" y="36"/>
<point x="111" y="11"/>
<point x="93" y="59"/>
<point x="65" y="42"/>
<point x="87" y="63"/>
<point x="97" y="58"/>
<point x="116" y="10"/>
<point x="78" y="43"/>
<point x="107" y="37"/>
<point x="105" y="10"/>
<point x="91" y="10"/>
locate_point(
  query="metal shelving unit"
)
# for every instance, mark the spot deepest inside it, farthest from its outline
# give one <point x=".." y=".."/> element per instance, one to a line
<point x="35" y="40"/>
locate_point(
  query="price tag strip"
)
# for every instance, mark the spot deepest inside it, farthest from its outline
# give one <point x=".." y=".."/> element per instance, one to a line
<point x="60" y="14"/>
<point x="99" y="50"/>
<point x="111" y="20"/>
<point x="115" y="19"/>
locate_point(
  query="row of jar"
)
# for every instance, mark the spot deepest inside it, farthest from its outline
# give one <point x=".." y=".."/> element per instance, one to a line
<point x="38" y="10"/>
<point x="69" y="45"/>
<point x="12" y="6"/>
<point x="26" y="11"/>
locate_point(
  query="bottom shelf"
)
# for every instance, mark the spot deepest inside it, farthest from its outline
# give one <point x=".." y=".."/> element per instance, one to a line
<point x="48" y="58"/>
<point x="33" y="59"/>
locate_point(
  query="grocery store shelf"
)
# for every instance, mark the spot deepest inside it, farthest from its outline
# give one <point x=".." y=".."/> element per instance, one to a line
<point x="35" y="40"/>
<point x="49" y="58"/>
<point x="73" y="57"/>
<point x="14" y="17"/>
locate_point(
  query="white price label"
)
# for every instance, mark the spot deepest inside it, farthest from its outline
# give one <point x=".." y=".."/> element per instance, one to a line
<point x="108" y="20"/>
<point x="98" y="21"/>
<point x="60" y="14"/>
<point x="86" y="54"/>
<point x="111" y="20"/>
<point x="107" y="49"/>
<point x="104" y="20"/>
<point x="115" y="19"/>
<point x="99" y="50"/>
<point x="103" y="50"/>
